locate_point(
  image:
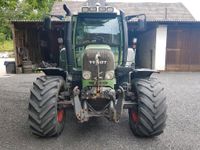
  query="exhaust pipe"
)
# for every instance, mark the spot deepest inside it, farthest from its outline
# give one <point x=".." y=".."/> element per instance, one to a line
<point x="68" y="42"/>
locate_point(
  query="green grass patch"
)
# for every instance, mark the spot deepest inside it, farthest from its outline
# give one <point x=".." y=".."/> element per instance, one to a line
<point x="6" y="46"/>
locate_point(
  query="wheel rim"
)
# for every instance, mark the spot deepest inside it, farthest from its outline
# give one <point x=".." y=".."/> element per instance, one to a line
<point x="60" y="115"/>
<point x="134" y="117"/>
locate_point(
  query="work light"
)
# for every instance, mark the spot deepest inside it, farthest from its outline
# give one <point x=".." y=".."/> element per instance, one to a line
<point x="93" y="9"/>
<point x="85" y="9"/>
<point x="110" y="9"/>
<point x="102" y="9"/>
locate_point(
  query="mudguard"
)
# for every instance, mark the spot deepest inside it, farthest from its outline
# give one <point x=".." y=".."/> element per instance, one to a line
<point x="143" y="73"/>
<point x="51" y="71"/>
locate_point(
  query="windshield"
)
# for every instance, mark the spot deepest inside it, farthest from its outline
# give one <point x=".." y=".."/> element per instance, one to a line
<point x="98" y="31"/>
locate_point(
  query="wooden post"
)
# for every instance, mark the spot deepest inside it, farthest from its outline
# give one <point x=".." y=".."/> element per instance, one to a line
<point x="14" y="44"/>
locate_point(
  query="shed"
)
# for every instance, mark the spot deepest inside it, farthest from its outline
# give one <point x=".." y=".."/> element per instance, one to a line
<point x="169" y="42"/>
<point x="33" y="43"/>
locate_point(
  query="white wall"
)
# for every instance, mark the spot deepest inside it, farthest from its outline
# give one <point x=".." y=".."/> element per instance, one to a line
<point x="160" y="48"/>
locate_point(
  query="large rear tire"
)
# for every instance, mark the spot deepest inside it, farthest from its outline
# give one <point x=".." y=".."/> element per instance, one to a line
<point x="148" y="118"/>
<point x="46" y="117"/>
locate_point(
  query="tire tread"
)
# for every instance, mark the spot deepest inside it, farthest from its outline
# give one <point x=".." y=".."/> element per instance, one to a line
<point x="151" y="108"/>
<point x="43" y="106"/>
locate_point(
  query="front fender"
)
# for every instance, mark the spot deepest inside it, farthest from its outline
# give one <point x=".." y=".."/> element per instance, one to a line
<point x="51" y="71"/>
<point x="143" y="73"/>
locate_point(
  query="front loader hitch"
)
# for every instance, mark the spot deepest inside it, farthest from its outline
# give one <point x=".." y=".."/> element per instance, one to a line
<point x="81" y="113"/>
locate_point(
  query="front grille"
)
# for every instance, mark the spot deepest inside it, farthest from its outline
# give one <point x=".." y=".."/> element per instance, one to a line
<point x="106" y="62"/>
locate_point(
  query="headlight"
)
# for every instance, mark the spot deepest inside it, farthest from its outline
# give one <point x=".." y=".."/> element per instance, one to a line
<point x="109" y="75"/>
<point x="86" y="75"/>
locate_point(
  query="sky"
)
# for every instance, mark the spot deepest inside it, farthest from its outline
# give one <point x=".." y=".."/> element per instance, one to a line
<point x="192" y="5"/>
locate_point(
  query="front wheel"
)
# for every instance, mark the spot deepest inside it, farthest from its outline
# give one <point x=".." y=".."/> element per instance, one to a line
<point x="46" y="117"/>
<point x="148" y="118"/>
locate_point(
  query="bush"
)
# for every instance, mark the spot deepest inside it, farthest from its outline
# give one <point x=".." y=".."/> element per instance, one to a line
<point x="2" y="37"/>
<point x="6" y="46"/>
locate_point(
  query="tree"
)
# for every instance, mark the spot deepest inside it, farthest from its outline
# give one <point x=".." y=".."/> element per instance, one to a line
<point x="21" y="10"/>
<point x="6" y="9"/>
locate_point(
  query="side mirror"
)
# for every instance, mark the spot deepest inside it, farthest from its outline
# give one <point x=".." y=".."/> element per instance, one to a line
<point x="130" y="57"/>
<point x="63" y="59"/>
<point x="47" y="23"/>
<point x="139" y="19"/>
<point x="63" y="55"/>
<point x="141" y="22"/>
<point x="68" y="12"/>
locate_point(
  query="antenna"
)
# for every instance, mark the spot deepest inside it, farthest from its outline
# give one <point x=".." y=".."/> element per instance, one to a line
<point x="98" y="4"/>
<point x="166" y="13"/>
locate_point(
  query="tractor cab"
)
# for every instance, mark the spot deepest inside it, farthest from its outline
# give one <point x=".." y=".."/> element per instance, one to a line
<point x="98" y="27"/>
<point x="97" y="45"/>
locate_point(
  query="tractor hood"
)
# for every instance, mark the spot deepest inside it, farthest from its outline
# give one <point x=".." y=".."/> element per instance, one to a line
<point x="98" y="63"/>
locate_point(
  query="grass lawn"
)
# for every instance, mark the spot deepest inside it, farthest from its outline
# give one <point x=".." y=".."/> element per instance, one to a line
<point x="6" y="46"/>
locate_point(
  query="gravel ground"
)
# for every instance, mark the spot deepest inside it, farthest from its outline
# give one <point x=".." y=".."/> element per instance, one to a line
<point x="182" y="130"/>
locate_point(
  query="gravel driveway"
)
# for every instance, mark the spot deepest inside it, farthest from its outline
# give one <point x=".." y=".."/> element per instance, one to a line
<point x="182" y="131"/>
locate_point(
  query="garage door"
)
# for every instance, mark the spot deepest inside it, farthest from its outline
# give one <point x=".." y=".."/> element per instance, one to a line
<point x="183" y="49"/>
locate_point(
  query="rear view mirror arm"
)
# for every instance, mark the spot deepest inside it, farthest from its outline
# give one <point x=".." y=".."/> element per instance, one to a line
<point x="60" y="17"/>
<point x="128" y="18"/>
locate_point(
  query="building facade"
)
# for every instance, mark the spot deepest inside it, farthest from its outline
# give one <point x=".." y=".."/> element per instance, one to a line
<point x="170" y="41"/>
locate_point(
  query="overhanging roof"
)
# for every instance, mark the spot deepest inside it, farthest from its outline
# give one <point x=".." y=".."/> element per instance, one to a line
<point x="148" y="21"/>
<point x="35" y="21"/>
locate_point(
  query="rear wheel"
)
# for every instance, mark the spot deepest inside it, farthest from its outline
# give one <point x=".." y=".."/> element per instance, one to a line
<point x="46" y="117"/>
<point x="148" y="118"/>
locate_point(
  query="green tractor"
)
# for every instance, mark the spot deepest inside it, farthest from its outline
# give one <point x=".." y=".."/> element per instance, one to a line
<point x="97" y="77"/>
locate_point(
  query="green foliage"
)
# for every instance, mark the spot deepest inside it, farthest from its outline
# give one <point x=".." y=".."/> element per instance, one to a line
<point x="6" y="45"/>
<point x="21" y="10"/>
<point x="2" y="37"/>
<point x="33" y="9"/>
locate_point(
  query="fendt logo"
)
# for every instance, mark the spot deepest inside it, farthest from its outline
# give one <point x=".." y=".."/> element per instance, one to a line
<point x="101" y="62"/>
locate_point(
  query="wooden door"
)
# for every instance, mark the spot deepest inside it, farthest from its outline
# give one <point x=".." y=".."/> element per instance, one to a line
<point x="183" y="50"/>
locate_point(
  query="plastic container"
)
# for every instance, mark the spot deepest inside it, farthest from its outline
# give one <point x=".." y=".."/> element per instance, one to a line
<point x="10" y="67"/>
